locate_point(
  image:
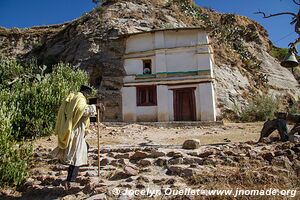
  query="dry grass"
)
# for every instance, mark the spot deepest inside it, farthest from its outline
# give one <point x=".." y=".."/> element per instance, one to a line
<point x="237" y="179"/>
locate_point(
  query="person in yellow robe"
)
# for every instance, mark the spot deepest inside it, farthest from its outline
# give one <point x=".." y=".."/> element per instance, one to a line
<point x="72" y="121"/>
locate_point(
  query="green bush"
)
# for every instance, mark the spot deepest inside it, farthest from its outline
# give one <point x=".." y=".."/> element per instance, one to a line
<point x="259" y="109"/>
<point x="295" y="108"/>
<point x="36" y="94"/>
<point x="14" y="156"/>
<point x="29" y="101"/>
<point x="280" y="53"/>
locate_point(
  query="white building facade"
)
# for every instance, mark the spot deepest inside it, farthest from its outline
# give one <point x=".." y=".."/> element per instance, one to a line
<point x="169" y="77"/>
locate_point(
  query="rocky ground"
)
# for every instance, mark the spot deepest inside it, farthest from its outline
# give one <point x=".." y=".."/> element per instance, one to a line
<point x="141" y="157"/>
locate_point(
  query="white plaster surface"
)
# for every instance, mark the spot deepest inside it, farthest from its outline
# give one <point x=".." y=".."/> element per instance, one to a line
<point x="146" y="113"/>
<point x="163" y="103"/>
<point x="129" y="104"/>
<point x="207" y="102"/>
<point x="140" y="42"/>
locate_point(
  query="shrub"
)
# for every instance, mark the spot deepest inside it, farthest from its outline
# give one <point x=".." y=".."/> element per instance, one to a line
<point x="14" y="156"/>
<point x="295" y="108"/>
<point x="36" y="94"/>
<point x="259" y="109"/>
<point x="29" y="101"/>
<point x="280" y="53"/>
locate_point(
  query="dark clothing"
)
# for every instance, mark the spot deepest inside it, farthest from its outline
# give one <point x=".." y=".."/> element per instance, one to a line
<point x="72" y="173"/>
<point x="276" y="124"/>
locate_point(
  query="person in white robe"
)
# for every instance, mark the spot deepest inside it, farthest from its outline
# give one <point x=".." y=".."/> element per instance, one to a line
<point x="71" y="124"/>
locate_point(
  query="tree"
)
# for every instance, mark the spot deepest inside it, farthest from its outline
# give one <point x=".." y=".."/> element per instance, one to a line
<point x="295" y="20"/>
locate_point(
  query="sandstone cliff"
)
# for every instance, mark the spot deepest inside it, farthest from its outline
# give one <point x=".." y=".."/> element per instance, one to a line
<point x="94" y="42"/>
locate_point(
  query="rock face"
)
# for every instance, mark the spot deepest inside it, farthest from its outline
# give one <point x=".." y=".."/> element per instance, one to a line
<point x="96" y="43"/>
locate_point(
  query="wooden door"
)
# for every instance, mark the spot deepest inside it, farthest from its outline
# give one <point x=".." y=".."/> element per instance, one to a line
<point x="184" y="104"/>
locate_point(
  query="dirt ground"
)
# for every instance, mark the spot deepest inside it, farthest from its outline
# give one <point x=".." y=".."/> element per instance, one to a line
<point x="147" y="135"/>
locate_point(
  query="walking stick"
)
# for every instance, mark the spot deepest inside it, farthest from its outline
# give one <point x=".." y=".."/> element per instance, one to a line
<point x="98" y="124"/>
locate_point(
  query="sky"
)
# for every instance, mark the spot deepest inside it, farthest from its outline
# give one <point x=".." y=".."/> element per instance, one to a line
<point x="28" y="13"/>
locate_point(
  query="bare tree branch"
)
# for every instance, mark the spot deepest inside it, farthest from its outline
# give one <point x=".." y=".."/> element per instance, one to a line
<point x="277" y="14"/>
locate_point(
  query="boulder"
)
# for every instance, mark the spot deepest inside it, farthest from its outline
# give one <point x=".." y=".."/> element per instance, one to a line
<point x="119" y="175"/>
<point x="282" y="161"/>
<point x="127" y="172"/>
<point x="138" y="155"/>
<point x="104" y="162"/>
<point x="207" y="153"/>
<point x="174" y="154"/>
<point x="157" y="154"/>
<point x="118" y="163"/>
<point x="144" y="163"/>
<point x="180" y="171"/>
<point x="189" y="161"/>
<point x="131" y="171"/>
<point x="160" y="162"/>
<point x="268" y="156"/>
<point x="279" y="153"/>
<point x="191" y="144"/>
<point x="175" y="161"/>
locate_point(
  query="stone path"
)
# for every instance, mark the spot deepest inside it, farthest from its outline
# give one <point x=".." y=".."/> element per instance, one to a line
<point x="157" y="168"/>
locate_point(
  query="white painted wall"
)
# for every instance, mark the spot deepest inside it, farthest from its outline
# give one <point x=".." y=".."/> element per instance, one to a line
<point x="140" y="42"/>
<point x="133" y="66"/>
<point x="181" y="38"/>
<point x="207" y="102"/>
<point x="162" y="103"/>
<point x="171" y="106"/>
<point x="198" y="103"/>
<point x="181" y="61"/>
<point x="132" y="112"/>
<point x="129" y="104"/>
<point x="146" y="113"/>
<point x="174" y="51"/>
<point x="160" y="61"/>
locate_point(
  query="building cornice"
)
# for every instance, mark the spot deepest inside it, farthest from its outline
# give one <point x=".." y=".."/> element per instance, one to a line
<point x="164" y="81"/>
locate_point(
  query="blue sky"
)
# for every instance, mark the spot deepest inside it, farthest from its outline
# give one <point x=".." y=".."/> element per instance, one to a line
<point x="27" y="13"/>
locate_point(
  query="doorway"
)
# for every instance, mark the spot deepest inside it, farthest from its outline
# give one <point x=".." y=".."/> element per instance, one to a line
<point x="184" y="104"/>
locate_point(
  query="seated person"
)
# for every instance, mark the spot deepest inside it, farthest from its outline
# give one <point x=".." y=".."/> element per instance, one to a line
<point x="276" y="124"/>
<point x="280" y="124"/>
